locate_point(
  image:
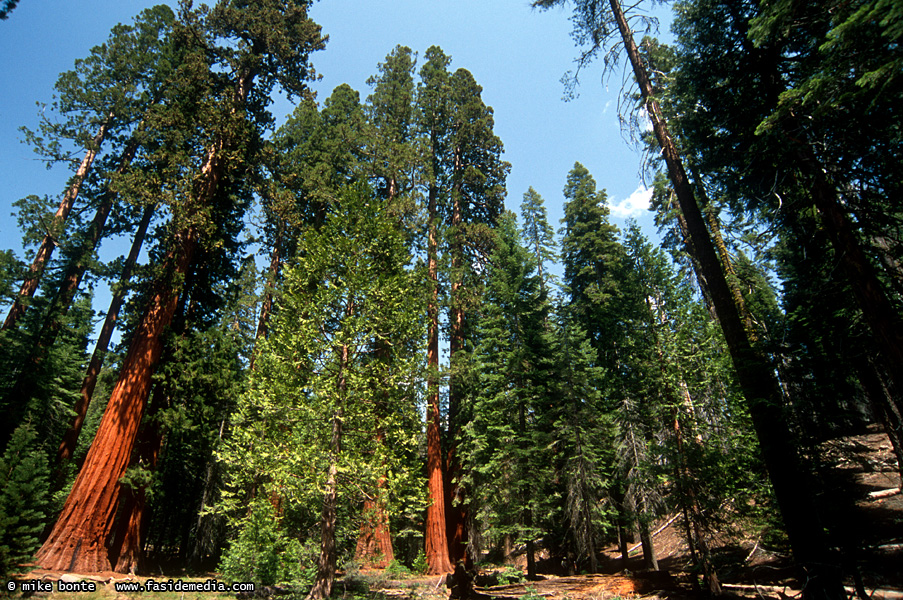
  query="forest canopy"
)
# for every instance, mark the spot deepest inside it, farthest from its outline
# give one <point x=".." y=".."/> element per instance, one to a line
<point x="340" y="344"/>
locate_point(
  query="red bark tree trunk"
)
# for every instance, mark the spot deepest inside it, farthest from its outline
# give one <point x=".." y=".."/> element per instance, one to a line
<point x="436" y="539"/>
<point x="374" y="544"/>
<point x="24" y="388"/>
<point x="70" y="438"/>
<point x="79" y="263"/>
<point x="127" y="550"/>
<point x="455" y="510"/>
<point x="78" y="539"/>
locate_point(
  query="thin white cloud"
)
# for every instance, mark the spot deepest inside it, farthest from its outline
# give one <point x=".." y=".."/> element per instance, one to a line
<point x="634" y="205"/>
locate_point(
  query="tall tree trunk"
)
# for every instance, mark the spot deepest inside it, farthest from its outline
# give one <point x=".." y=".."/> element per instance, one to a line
<point x="591" y="546"/>
<point x="48" y="243"/>
<point x="726" y="264"/>
<point x="531" y="547"/>
<point x="24" y="388"/>
<point x="695" y="526"/>
<point x="204" y="540"/>
<point x="79" y="537"/>
<point x="127" y="549"/>
<point x="326" y="563"/>
<point x="78" y="263"/>
<point x="763" y="396"/>
<point x="455" y="510"/>
<point x="436" y="539"/>
<point x="650" y="561"/>
<point x="374" y="542"/>
<point x="70" y="438"/>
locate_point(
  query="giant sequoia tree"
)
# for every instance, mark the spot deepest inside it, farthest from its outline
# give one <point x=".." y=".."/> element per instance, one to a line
<point x="266" y="44"/>
<point x="111" y="91"/>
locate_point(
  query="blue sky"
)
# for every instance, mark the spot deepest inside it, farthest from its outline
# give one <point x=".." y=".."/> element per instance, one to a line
<point x="516" y="53"/>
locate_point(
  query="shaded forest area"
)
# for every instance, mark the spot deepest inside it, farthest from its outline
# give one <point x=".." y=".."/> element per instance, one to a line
<point x="277" y="410"/>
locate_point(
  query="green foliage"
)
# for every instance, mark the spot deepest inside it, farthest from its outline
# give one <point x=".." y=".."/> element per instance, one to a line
<point x="510" y="574"/>
<point x="344" y="345"/>
<point x="506" y="441"/>
<point x="263" y="553"/>
<point x="397" y="569"/>
<point x="24" y="483"/>
<point x="420" y="565"/>
<point x="538" y="236"/>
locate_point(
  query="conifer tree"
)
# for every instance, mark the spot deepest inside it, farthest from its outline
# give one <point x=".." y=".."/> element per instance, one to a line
<point x="24" y="499"/>
<point x="465" y="188"/>
<point x="393" y="145"/>
<point x="582" y="441"/>
<point x="118" y="84"/>
<point x="101" y="99"/>
<point x="506" y="444"/>
<point x="266" y="43"/>
<point x="593" y="262"/>
<point x="605" y="24"/>
<point x="539" y="237"/>
<point x="433" y="106"/>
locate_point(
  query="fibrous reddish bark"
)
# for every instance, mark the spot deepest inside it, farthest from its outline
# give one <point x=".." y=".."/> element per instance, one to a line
<point x="24" y="388"/>
<point x="436" y="540"/>
<point x="374" y="543"/>
<point x="79" y="537"/>
<point x="78" y="264"/>
<point x="127" y="549"/>
<point x="70" y="438"/>
<point x="455" y="510"/>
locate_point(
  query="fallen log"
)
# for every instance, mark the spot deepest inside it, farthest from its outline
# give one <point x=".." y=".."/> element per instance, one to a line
<point x="884" y="493"/>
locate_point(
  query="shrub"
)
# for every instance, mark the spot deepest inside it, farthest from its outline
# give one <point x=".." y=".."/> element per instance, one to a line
<point x="263" y="553"/>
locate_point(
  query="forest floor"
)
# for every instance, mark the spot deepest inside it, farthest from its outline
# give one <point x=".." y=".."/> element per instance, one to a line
<point x="862" y="468"/>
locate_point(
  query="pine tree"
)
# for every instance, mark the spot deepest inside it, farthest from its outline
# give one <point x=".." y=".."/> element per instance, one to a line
<point x="104" y="97"/>
<point x="505" y="449"/>
<point x="602" y="23"/>
<point x="539" y="237"/>
<point x="593" y="261"/>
